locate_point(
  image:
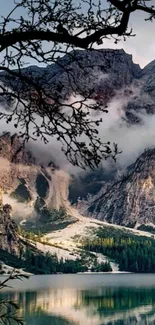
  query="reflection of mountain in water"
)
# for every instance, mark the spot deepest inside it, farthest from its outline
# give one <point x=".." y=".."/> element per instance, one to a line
<point x="103" y="306"/>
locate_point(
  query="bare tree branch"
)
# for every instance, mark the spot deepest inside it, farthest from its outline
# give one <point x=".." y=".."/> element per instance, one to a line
<point x="46" y="30"/>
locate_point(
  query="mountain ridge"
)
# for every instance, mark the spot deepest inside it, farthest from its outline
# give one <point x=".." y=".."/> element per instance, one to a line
<point x="109" y="74"/>
<point x="130" y="199"/>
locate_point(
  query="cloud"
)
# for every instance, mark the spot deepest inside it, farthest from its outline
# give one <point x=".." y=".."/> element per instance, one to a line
<point x="132" y="139"/>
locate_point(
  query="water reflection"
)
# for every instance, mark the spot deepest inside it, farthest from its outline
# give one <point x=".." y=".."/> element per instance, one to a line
<point x="103" y="305"/>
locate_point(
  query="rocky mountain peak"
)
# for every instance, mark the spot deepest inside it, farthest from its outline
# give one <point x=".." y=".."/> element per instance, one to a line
<point x="149" y="68"/>
<point x="130" y="199"/>
<point x="100" y="72"/>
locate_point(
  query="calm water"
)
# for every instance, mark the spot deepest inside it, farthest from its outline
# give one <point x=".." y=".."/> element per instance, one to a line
<point x="120" y="299"/>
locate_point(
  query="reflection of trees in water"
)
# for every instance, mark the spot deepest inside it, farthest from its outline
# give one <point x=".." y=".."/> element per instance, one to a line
<point x="32" y="310"/>
<point x="124" y="306"/>
<point x="111" y="306"/>
<point x="120" y="299"/>
<point x="26" y="300"/>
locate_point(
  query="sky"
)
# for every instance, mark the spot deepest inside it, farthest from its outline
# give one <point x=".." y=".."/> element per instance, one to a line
<point x="142" y="47"/>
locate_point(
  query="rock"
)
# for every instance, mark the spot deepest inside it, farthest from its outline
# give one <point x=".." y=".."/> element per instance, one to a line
<point x="131" y="198"/>
<point x="25" y="182"/>
<point x="95" y="73"/>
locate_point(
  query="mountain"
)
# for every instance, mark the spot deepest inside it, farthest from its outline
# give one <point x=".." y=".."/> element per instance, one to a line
<point x="99" y="74"/>
<point x="130" y="199"/>
<point x="35" y="192"/>
<point x="108" y="76"/>
<point x="80" y="70"/>
<point x="56" y="209"/>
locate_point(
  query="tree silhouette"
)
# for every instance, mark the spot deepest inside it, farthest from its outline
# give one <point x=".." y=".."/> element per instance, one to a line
<point x="44" y="30"/>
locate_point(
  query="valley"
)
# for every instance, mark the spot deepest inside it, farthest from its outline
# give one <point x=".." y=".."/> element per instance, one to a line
<point x="67" y="243"/>
<point x="56" y="208"/>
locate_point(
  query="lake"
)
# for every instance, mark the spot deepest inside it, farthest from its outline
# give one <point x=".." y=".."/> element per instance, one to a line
<point x="86" y="299"/>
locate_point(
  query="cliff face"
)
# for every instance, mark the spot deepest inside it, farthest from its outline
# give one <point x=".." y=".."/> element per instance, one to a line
<point x="82" y="70"/>
<point x="24" y="182"/>
<point x="129" y="199"/>
<point x="100" y="72"/>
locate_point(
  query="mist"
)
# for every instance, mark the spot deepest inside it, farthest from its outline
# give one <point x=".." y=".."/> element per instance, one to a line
<point x="132" y="139"/>
<point x="20" y="210"/>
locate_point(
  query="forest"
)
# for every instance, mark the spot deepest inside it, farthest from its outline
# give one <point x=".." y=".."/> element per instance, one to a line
<point x="50" y="264"/>
<point x="132" y="253"/>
